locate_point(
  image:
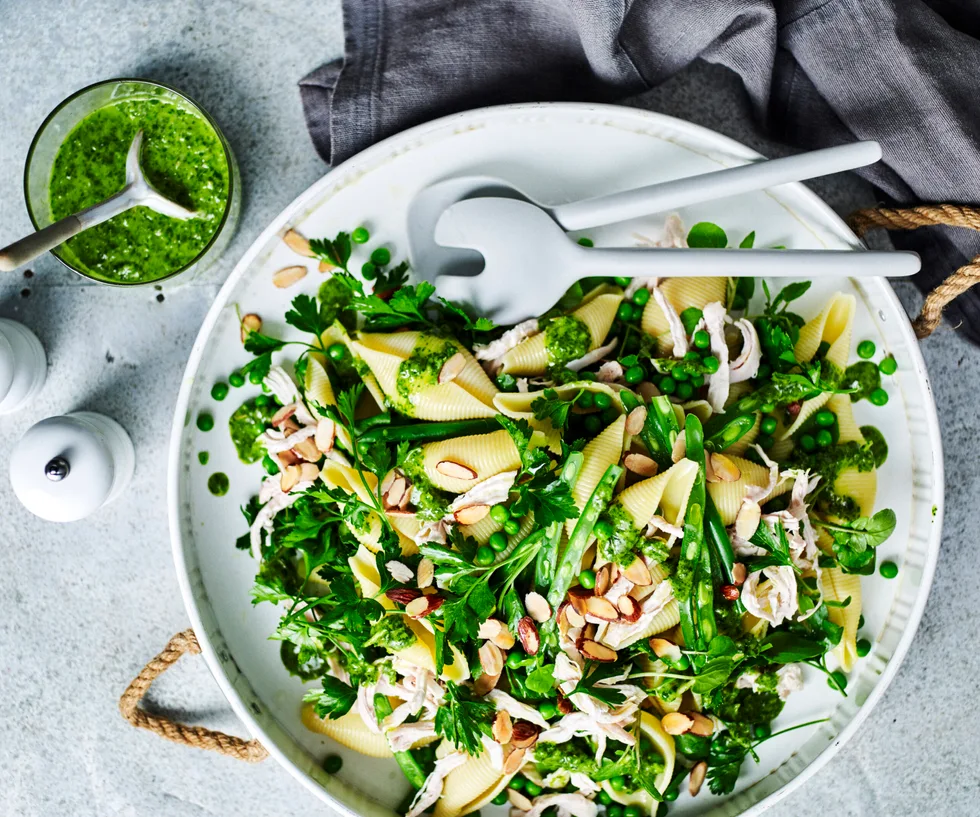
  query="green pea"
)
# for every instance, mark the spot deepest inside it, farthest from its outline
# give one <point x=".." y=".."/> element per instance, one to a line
<point x="603" y="529"/>
<point x="618" y="782"/>
<point x="512" y="526"/>
<point x="824" y="438"/>
<point x="532" y="789"/>
<point x="360" y="235"/>
<point x="548" y="710"/>
<point x="685" y="391"/>
<point x="484" y="555"/>
<point x="622" y="281"/>
<point x="219" y="391"/>
<point x="603" y="797"/>
<point x="632" y="811"/>
<point x="499" y="514"/>
<point x="668" y="385"/>
<point x="237" y="379"/>
<point x="888" y="569"/>
<point x="369" y="271"/>
<point x="516" y="782"/>
<point x="592" y="424"/>
<point x="878" y="397"/>
<point x="587" y="376"/>
<point x="381" y="256"/>
<point x="587" y="579"/>
<point x="498" y="541"/>
<point x="863" y="647"/>
<point x="807" y="443"/>
<point x="861" y="620"/>
<point x="762" y="730"/>
<point x="602" y="400"/>
<point x="500" y="799"/>
<point x="888" y="366"/>
<point x="866" y="349"/>
<point x="767" y="408"/>
<point x="825" y="418"/>
<point x="205" y="421"/>
<point x="692" y="356"/>
<point x="634" y="374"/>
<point x="332" y="764"/>
<point x="679" y="374"/>
<point x="625" y="312"/>
<point x="837" y="680"/>
<point x="641" y="296"/>
<point x="768" y="425"/>
<point x="254" y="377"/>
<point x="765" y="441"/>
<point x="702" y="339"/>
<point x="586" y="400"/>
<point x="263" y="400"/>
<point x="711" y="363"/>
<point x="614" y="809"/>
<point x="697" y="381"/>
<point x="514" y="659"/>
<point x="586" y="242"/>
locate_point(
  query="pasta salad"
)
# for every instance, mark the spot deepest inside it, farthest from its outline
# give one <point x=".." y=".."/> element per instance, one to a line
<point x="569" y="565"/>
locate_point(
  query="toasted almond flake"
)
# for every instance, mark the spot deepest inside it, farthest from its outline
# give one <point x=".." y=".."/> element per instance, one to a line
<point x="307" y="449"/>
<point x="696" y="780"/>
<point x="702" y="725"/>
<point x="289" y="427"/>
<point x="629" y="608"/>
<point x="250" y="323"/>
<point x="514" y="761"/>
<point x="484" y="684"/>
<point x="423" y="606"/>
<point x="647" y="390"/>
<point x="635" y="420"/>
<point x="601" y="608"/>
<point x="280" y="417"/>
<point x="578" y="596"/>
<point x="393" y="496"/>
<point x="399" y="571"/>
<point x="664" y="648"/>
<point x="504" y="639"/>
<point x="288" y="276"/>
<point x="324" y="266"/>
<point x="598" y="652"/>
<point x="537" y="607"/>
<point x="564" y="705"/>
<point x="308" y="472"/>
<point x="518" y="800"/>
<point x="641" y="465"/>
<point x="491" y="659"/>
<point x="525" y="734"/>
<point x="406" y="499"/>
<point x="590" y="629"/>
<point x="426" y="571"/>
<point x="390" y="477"/>
<point x="721" y="469"/>
<point x="490" y="628"/>
<point x="679" y="449"/>
<point x="574" y="617"/>
<point x="285" y="458"/>
<point x="603" y="578"/>
<point x="638" y="573"/>
<point x="451" y="368"/>
<point x="289" y="478"/>
<point x="747" y="520"/>
<point x="676" y="723"/>
<point x="326" y="434"/>
<point x="402" y="595"/>
<point x="527" y="632"/>
<point x="471" y="514"/>
<point x="739" y="574"/>
<point x="503" y="728"/>
<point x="455" y="470"/>
<point x="297" y="243"/>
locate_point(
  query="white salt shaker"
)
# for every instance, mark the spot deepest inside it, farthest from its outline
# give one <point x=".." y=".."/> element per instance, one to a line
<point x="23" y="366"/>
<point x="66" y="468"/>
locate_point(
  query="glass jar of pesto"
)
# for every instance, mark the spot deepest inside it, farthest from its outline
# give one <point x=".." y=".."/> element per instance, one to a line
<point x="78" y="159"/>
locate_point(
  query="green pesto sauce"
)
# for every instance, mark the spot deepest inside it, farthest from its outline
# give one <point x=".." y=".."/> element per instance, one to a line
<point x="392" y="633"/>
<point x="572" y="756"/>
<point x="301" y="661"/>
<point x="203" y="457"/>
<point x="432" y="504"/>
<point x="622" y="545"/>
<point x="246" y="425"/>
<point x="182" y="157"/>
<point x="748" y="707"/>
<point x="865" y="376"/>
<point x="566" y="338"/>
<point x="879" y="448"/>
<point x="218" y="484"/>
<point x="421" y="369"/>
<point x="828" y="463"/>
<point x="335" y="297"/>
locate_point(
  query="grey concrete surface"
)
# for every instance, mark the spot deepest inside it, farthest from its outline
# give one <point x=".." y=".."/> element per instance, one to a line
<point x="82" y="607"/>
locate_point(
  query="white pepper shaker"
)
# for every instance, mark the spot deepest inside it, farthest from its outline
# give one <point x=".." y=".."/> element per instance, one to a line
<point x="66" y="468"/>
<point x="23" y="366"/>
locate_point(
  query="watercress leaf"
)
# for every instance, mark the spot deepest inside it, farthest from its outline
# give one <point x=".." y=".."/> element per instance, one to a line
<point x="721" y="645"/>
<point x="706" y="234"/>
<point x="746" y="244"/>
<point x="715" y="673"/>
<point x="791" y="292"/>
<point x="542" y="679"/>
<point x="789" y="648"/>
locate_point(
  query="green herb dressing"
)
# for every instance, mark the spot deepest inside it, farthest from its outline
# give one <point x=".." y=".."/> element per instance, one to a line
<point x="622" y="545"/>
<point x="246" y="425"/>
<point x="182" y="157"/>
<point x="566" y="338"/>
<point x="203" y="457"/>
<point x="879" y="447"/>
<point x="866" y="376"/>
<point x="828" y="463"/>
<point x="218" y="484"/>
<point x="572" y="756"/>
<point x="420" y="369"/>
<point x="392" y="633"/>
<point x="335" y="297"/>
<point x="431" y="503"/>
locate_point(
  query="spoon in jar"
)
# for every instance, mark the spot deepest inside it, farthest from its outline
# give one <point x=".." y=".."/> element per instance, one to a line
<point x="137" y="192"/>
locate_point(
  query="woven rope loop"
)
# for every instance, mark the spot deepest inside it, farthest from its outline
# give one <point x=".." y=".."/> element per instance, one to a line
<point x="927" y="215"/>
<point x="250" y="751"/>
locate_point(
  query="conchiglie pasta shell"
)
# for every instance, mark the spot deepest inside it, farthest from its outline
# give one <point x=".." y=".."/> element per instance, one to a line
<point x="849" y="430"/>
<point x="664" y="744"/>
<point x="406" y="527"/>
<point x="728" y="496"/>
<point x="832" y="326"/>
<point x="682" y="293"/>
<point x="469" y="787"/>
<point x="601" y="452"/>
<point x="861" y="486"/>
<point x="482" y="530"/>
<point x="317" y="384"/>
<point x="670" y="488"/>
<point x="528" y="358"/>
<point x="807" y="410"/>
<point x="487" y="454"/>
<point x="598" y="314"/>
<point x="423" y="653"/>
<point x="347" y="730"/>
<point x="365" y="570"/>
<point x="336" y="333"/>
<point x="837" y="586"/>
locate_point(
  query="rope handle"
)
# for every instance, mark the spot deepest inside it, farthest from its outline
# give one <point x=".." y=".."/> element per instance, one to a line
<point x="250" y="751"/>
<point x="927" y="215"/>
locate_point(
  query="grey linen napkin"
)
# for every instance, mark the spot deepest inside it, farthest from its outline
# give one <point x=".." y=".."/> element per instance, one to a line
<point x="819" y="72"/>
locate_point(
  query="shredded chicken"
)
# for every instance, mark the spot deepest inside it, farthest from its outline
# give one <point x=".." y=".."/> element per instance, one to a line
<point x="620" y="633"/>
<point x="404" y="737"/>
<point x="516" y="709"/>
<point x="592" y="357"/>
<point x="494" y="751"/>
<point x="746" y="365"/>
<point x="276" y="501"/>
<point x="677" y="332"/>
<point x="284" y="389"/>
<point x="522" y="385"/>
<point x="718" y="383"/>
<point x="778" y="602"/>
<point x="276" y="442"/>
<point x="788" y="679"/>
<point x="432" y="788"/>
<point x="611" y="371"/>
<point x="492" y="352"/>
<point x="432" y="532"/>
<point x="661" y="525"/>
<point x="491" y="491"/>
<point x="567" y="804"/>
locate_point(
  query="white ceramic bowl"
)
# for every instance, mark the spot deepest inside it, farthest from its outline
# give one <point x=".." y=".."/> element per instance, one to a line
<point x="557" y="152"/>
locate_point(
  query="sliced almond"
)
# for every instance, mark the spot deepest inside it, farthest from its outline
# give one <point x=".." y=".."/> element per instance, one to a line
<point x="425" y="573"/>
<point x="288" y="276"/>
<point x="574" y="617"/>
<point x="406" y="499"/>
<point x="518" y="800"/>
<point x="514" y="761"/>
<point x="504" y="639"/>
<point x="287" y="458"/>
<point x="721" y="469"/>
<point x="641" y="465"/>
<point x="703" y="725"/>
<point x="527" y="632"/>
<point x="471" y="514"/>
<point x="484" y="684"/>
<point x="324" y="266"/>
<point x="289" y="427"/>
<point x="747" y="520"/>
<point x="663" y="648"/>
<point x="393" y="496"/>
<point x="601" y="608"/>
<point x="289" y="478"/>
<point x="491" y="659"/>
<point x="490" y="628"/>
<point x="603" y="579"/>
<point x="537" y="607"/>
<point x="402" y="595"/>
<point x="423" y="606"/>
<point x="679" y="449"/>
<point x="638" y="573"/>
<point x="308" y="450"/>
<point x="326" y="434"/>
<point x="503" y="728"/>
<point x="280" y="417"/>
<point x="635" y="420"/>
<point x="598" y="652"/>
<point x="578" y="596"/>
<point x="297" y="243"/>
<point x="739" y="574"/>
<point x="390" y="477"/>
<point x="399" y="571"/>
<point x="629" y="608"/>
<point x="676" y="723"/>
<point x="250" y="323"/>
<point x="696" y="779"/>
<point x="562" y="703"/>
<point x="455" y="470"/>
<point x="525" y="734"/>
<point x="308" y="472"/>
<point x="451" y="368"/>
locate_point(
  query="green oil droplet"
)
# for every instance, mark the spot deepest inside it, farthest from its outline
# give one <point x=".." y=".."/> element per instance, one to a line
<point x="218" y="484"/>
<point x="203" y="457"/>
